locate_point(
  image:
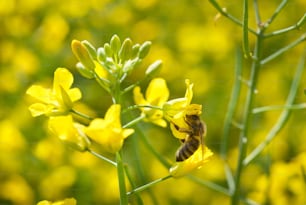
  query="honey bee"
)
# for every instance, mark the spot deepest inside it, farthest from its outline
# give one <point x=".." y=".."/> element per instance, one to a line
<point x="195" y="134"/>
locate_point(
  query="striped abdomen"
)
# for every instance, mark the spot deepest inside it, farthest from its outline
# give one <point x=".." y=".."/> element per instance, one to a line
<point x="188" y="148"/>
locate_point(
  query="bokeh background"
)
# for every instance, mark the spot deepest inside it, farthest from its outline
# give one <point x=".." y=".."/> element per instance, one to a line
<point x="35" y="38"/>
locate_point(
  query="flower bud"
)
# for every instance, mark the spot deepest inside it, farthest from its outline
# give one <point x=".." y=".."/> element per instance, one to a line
<point x="90" y="48"/>
<point x="82" y="54"/>
<point x="115" y="43"/>
<point x="108" y="50"/>
<point x="144" y="49"/>
<point x="135" y="50"/>
<point x="126" y="50"/>
<point x="86" y="73"/>
<point x="153" y="68"/>
<point x="101" y="54"/>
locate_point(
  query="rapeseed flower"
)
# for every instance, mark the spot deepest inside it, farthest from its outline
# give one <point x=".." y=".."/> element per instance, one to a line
<point x="156" y="95"/>
<point x="58" y="100"/>
<point x="195" y="161"/>
<point x="68" y="201"/>
<point x="69" y="132"/>
<point x="108" y="132"/>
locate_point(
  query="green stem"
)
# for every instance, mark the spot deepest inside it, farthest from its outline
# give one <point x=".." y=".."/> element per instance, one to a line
<point x="139" y="131"/>
<point x="257" y="15"/>
<point x="245" y="26"/>
<point x="102" y="157"/>
<point x="209" y="184"/>
<point x="141" y="188"/>
<point x="279" y="107"/>
<point x="133" y="107"/>
<point x="231" y="106"/>
<point x="247" y="116"/>
<point x="121" y="180"/>
<point x="229" y="16"/>
<point x="297" y="26"/>
<point x="82" y="115"/>
<point x="276" y="12"/>
<point x="283" y="50"/>
<point x="283" y="117"/>
<point x="127" y="172"/>
<point x="134" y="121"/>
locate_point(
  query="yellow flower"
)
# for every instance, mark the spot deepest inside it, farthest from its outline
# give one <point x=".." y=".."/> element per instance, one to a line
<point x="195" y="161"/>
<point x="69" y="201"/>
<point x="175" y="111"/>
<point x="58" y="100"/>
<point x="157" y="94"/>
<point x="176" y="106"/>
<point x="108" y="131"/>
<point x="69" y="132"/>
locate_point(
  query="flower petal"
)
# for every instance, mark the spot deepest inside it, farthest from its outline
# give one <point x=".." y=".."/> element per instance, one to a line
<point x="197" y="160"/>
<point x="69" y="132"/>
<point x="112" y="115"/>
<point x="157" y="92"/>
<point x="38" y="109"/>
<point x="74" y="94"/>
<point x="138" y="97"/>
<point x="40" y="93"/>
<point x="62" y="78"/>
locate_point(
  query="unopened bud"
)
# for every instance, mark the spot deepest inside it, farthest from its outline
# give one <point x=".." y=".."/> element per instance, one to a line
<point x="126" y="50"/>
<point x="115" y="43"/>
<point x="86" y="73"/>
<point x="153" y="68"/>
<point x="81" y="53"/>
<point x="144" y="49"/>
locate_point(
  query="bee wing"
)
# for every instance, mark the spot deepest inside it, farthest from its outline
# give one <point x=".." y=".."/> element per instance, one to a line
<point x="202" y="134"/>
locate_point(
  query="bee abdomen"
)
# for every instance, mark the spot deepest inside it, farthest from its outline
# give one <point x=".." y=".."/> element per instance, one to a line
<point x="187" y="149"/>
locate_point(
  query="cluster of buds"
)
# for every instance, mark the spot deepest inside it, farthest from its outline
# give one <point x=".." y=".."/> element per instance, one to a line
<point x="110" y="65"/>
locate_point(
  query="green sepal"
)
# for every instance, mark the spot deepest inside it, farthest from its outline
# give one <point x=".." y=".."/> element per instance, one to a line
<point x="144" y="49"/>
<point x="82" y="54"/>
<point x="86" y="73"/>
<point x="115" y="44"/>
<point x="90" y="48"/>
<point x="126" y="50"/>
<point x="153" y="68"/>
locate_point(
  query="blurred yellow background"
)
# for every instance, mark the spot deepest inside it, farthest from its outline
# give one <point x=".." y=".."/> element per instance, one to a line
<point x="35" y="37"/>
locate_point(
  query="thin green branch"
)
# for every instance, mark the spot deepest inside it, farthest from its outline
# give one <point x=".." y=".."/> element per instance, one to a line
<point x="243" y="138"/>
<point x="139" y="131"/>
<point x="279" y="107"/>
<point x="82" y="115"/>
<point x="257" y="15"/>
<point x="128" y="174"/>
<point x="232" y="105"/>
<point x="133" y="107"/>
<point x="121" y="180"/>
<point x="230" y="178"/>
<point x="229" y="16"/>
<point x="276" y="12"/>
<point x="141" y="188"/>
<point x="283" y="117"/>
<point x="134" y="121"/>
<point x="283" y="50"/>
<point x="102" y="157"/>
<point x="297" y="26"/>
<point x="245" y="32"/>
<point x="210" y="185"/>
